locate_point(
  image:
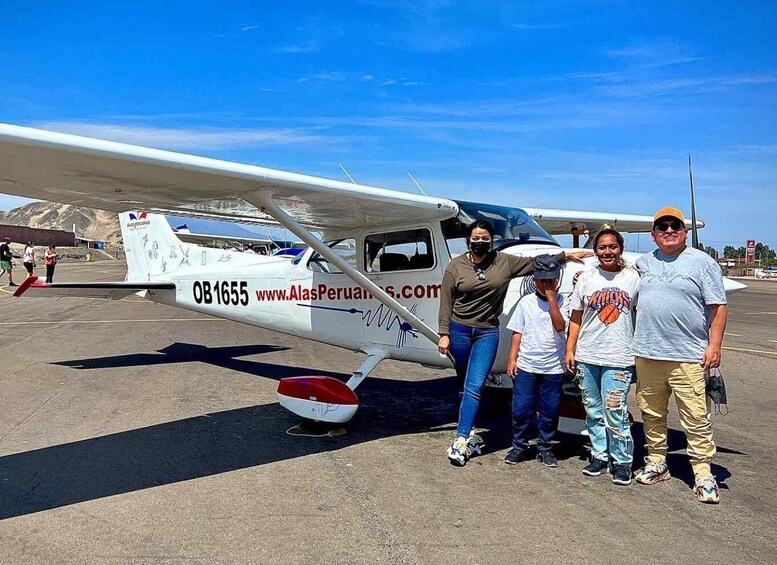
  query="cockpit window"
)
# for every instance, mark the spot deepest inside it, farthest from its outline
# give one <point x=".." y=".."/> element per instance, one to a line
<point x="345" y="248"/>
<point x="512" y="225"/>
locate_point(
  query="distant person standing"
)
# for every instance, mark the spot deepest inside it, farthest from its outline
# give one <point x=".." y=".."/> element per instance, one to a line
<point x="678" y="335"/>
<point x="50" y="258"/>
<point x="6" y="261"/>
<point x="28" y="258"/>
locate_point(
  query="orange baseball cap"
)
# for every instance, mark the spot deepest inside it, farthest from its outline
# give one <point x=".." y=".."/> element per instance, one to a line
<point x="669" y="212"/>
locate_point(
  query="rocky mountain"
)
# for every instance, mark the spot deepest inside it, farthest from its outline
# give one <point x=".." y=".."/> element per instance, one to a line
<point x="89" y="223"/>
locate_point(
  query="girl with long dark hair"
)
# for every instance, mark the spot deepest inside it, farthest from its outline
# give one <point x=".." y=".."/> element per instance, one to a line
<point x="601" y="329"/>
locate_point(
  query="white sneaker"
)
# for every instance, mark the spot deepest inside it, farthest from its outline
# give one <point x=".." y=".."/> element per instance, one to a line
<point x="459" y="452"/>
<point x="706" y="490"/>
<point x="475" y="444"/>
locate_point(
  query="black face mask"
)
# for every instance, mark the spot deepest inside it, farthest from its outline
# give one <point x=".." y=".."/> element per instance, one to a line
<point x="480" y="248"/>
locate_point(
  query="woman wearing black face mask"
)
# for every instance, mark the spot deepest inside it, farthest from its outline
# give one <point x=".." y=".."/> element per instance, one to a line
<point x="472" y="297"/>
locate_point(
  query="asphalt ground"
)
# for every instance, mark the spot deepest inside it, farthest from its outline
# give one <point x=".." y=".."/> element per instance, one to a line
<point x="138" y="433"/>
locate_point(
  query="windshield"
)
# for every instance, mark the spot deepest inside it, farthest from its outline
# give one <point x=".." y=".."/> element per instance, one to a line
<point x="511" y="224"/>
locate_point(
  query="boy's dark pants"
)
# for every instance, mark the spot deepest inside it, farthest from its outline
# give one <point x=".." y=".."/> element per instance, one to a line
<point x="541" y="392"/>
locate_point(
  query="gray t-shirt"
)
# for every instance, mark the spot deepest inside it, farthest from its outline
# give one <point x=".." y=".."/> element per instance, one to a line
<point x="674" y="296"/>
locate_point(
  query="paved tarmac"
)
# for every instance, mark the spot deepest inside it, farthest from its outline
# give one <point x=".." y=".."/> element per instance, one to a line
<point x="137" y="433"/>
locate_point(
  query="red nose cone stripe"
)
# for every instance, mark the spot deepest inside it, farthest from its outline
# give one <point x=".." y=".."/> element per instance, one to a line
<point x="26" y="283"/>
<point x="319" y="389"/>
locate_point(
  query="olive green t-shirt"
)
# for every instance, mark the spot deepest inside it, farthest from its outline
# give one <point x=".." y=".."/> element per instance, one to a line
<point x="478" y="303"/>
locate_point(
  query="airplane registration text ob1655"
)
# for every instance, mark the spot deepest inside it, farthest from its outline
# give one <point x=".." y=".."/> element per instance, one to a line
<point x="370" y="283"/>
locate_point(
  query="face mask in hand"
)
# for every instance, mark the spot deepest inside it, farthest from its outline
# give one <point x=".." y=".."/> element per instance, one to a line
<point x="480" y="248"/>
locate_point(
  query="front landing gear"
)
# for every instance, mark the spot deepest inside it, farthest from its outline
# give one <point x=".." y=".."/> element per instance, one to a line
<point x="326" y="399"/>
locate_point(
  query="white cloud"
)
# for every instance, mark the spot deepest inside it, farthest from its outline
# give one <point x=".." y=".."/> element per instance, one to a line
<point x="330" y="76"/>
<point x="310" y="47"/>
<point x="189" y="138"/>
<point x="368" y="77"/>
<point x="249" y="27"/>
<point x="539" y="27"/>
<point x="659" y="53"/>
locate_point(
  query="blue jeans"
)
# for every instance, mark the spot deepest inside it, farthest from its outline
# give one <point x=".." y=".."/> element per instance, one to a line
<point x="605" y="390"/>
<point x="474" y="351"/>
<point x="533" y="391"/>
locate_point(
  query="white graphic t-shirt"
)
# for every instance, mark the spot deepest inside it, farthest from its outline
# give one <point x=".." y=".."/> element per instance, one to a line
<point x="542" y="347"/>
<point x="608" y="302"/>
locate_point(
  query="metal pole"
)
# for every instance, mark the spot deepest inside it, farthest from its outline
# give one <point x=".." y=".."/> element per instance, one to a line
<point x="694" y="231"/>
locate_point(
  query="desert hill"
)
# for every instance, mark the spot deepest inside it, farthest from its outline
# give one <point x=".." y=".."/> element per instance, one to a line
<point x="89" y="223"/>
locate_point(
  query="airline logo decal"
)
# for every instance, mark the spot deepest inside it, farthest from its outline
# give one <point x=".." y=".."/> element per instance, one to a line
<point x="609" y="303"/>
<point x="138" y="221"/>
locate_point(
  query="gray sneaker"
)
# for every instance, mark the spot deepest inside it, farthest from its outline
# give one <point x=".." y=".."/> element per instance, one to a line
<point x="621" y="474"/>
<point x="515" y="456"/>
<point x="547" y="459"/>
<point x="595" y="468"/>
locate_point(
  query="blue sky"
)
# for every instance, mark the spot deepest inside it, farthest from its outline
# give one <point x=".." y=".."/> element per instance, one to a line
<point x="587" y="105"/>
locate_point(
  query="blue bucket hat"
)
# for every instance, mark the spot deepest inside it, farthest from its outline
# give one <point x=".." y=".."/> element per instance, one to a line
<point x="546" y="267"/>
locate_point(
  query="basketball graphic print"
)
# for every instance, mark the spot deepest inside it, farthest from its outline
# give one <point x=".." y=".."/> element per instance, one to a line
<point x="609" y="313"/>
<point x="608" y="303"/>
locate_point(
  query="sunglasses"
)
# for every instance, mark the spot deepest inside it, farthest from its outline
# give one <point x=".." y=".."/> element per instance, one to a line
<point x="480" y="273"/>
<point x="675" y="225"/>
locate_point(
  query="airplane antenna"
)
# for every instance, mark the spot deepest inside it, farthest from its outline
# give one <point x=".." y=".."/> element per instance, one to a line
<point x="694" y="229"/>
<point x="347" y="173"/>
<point x="417" y="184"/>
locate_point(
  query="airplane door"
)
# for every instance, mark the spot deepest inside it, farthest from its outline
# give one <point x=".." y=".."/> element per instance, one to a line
<point x="332" y="299"/>
<point x="406" y="264"/>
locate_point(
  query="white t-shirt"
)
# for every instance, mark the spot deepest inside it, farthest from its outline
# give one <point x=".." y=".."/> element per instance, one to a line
<point x="542" y="347"/>
<point x="608" y="301"/>
<point x="29" y="255"/>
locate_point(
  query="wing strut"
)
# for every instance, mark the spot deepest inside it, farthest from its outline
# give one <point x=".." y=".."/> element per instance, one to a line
<point x="263" y="199"/>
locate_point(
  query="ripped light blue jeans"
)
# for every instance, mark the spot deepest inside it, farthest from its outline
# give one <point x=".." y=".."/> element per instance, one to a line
<point x="605" y="390"/>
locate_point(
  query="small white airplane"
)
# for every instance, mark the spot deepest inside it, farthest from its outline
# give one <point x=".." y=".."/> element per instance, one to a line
<point x="371" y="282"/>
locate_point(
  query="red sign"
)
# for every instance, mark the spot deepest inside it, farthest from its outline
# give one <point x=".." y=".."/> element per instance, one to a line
<point x="750" y="251"/>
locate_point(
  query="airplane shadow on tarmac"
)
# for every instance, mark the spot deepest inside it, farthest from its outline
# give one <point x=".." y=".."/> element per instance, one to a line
<point x="215" y="443"/>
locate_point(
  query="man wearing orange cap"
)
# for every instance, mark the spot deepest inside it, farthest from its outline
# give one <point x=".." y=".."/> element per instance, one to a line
<point x="681" y="318"/>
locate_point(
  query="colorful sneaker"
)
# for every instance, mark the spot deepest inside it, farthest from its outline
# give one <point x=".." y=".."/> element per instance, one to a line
<point x="475" y="444"/>
<point x="706" y="490"/>
<point x="621" y="474"/>
<point x="515" y="456"/>
<point x="652" y="473"/>
<point x="595" y="468"/>
<point x="547" y="459"/>
<point x="458" y="452"/>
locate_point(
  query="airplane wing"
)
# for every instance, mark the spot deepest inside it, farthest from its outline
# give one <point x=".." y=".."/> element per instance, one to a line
<point x="119" y="177"/>
<point x="115" y="176"/>
<point x="562" y="222"/>
<point x="106" y="290"/>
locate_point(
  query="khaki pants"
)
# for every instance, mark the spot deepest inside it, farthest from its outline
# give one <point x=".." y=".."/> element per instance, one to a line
<point x="656" y="381"/>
